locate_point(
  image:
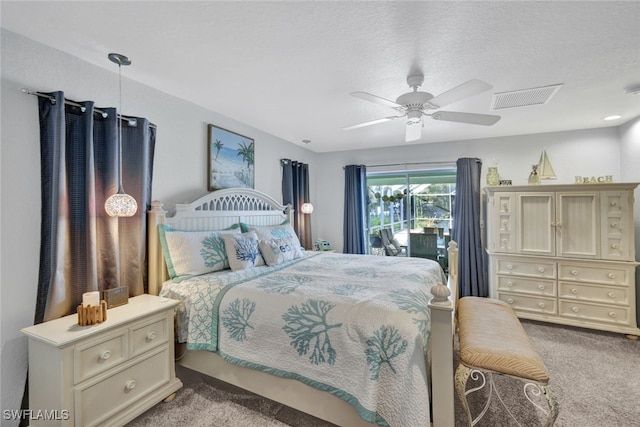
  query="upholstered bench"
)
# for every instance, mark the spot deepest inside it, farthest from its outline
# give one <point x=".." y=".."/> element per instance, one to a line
<point x="492" y="340"/>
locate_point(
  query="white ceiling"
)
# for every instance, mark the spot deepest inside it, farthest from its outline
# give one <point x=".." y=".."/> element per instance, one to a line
<point x="287" y="67"/>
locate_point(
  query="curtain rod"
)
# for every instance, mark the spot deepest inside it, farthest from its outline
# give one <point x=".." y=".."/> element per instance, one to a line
<point x="443" y="162"/>
<point x="130" y="120"/>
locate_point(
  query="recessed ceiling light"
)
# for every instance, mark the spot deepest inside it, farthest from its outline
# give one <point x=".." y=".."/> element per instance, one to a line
<point x="614" y="117"/>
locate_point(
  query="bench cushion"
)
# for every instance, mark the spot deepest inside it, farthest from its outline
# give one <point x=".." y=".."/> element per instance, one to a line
<point x="491" y="337"/>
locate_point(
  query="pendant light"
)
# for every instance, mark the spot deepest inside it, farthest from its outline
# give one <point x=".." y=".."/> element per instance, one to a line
<point x="120" y="204"/>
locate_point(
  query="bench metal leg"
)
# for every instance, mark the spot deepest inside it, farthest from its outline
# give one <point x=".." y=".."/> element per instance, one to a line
<point x="463" y="373"/>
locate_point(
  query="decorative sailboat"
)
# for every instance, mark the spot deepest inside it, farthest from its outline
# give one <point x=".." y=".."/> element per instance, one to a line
<point x="545" y="170"/>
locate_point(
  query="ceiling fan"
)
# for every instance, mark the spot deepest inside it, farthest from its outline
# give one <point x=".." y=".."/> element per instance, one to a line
<point x="413" y="105"/>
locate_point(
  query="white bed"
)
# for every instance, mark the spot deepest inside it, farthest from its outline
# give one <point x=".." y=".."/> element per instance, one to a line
<point x="221" y="209"/>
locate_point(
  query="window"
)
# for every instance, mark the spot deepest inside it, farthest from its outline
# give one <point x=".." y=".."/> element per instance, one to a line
<point x="415" y="206"/>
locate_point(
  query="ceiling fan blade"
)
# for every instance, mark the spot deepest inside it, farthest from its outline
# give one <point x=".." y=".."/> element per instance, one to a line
<point x="376" y="99"/>
<point x="371" y="122"/>
<point x="465" y="90"/>
<point x="471" y="118"/>
<point x="414" y="131"/>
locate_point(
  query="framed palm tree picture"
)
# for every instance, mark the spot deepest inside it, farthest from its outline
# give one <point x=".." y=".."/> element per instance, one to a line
<point x="230" y="159"/>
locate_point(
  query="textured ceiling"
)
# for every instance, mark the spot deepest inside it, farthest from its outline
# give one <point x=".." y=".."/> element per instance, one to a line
<point x="287" y="67"/>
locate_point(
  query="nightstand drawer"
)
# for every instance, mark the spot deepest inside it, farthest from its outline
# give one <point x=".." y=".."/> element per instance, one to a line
<point x="609" y="295"/>
<point x="95" y="356"/>
<point x="149" y="335"/>
<point x="527" y="286"/>
<point x="97" y="401"/>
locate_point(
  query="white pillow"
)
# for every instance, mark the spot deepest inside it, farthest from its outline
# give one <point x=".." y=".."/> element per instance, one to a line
<point x="278" y="251"/>
<point x="242" y="250"/>
<point x="276" y="232"/>
<point x="189" y="253"/>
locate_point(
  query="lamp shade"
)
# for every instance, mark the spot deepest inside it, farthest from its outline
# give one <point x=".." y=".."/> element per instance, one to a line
<point x="306" y="208"/>
<point x="120" y="205"/>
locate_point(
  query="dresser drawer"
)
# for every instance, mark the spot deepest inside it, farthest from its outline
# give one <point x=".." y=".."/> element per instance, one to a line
<point x="605" y="274"/>
<point x="148" y="335"/>
<point x="541" y="269"/>
<point x="529" y="304"/>
<point x="95" y="356"/>
<point x="592" y="312"/>
<point x="606" y="294"/>
<point x="97" y="401"/>
<point x="527" y="286"/>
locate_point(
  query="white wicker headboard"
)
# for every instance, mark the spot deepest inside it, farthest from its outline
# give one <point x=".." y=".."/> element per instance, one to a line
<point x="215" y="211"/>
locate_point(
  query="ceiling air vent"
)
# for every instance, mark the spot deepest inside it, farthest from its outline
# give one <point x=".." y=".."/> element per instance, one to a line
<point x="524" y="97"/>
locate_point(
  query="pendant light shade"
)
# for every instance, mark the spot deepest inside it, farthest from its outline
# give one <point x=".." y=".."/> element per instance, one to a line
<point x="120" y="204"/>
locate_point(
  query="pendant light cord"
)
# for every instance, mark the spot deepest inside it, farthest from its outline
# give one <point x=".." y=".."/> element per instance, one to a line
<point x="119" y="123"/>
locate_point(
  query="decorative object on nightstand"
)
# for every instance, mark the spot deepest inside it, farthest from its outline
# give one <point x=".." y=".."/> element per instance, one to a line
<point x="106" y="373"/>
<point x="92" y="310"/>
<point x="116" y="296"/>
<point x="534" y="178"/>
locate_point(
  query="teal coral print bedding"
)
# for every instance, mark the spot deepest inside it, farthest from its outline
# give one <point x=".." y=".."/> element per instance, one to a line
<point x="357" y="326"/>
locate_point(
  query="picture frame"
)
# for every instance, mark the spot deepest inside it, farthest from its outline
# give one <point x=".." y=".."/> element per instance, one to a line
<point x="230" y="159"/>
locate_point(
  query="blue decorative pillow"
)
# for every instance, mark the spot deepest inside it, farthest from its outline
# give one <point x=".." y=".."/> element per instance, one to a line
<point x="190" y="253"/>
<point x="276" y="232"/>
<point x="278" y="251"/>
<point x="242" y="250"/>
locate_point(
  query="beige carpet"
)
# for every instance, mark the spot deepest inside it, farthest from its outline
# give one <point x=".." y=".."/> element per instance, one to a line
<point x="596" y="376"/>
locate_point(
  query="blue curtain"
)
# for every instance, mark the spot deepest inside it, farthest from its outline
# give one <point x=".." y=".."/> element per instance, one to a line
<point x="472" y="271"/>
<point x="355" y="204"/>
<point x="82" y="249"/>
<point x="295" y="192"/>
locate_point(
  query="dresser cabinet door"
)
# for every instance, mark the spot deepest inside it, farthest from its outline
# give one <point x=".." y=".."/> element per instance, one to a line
<point x="577" y="224"/>
<point x="536" y="224"/>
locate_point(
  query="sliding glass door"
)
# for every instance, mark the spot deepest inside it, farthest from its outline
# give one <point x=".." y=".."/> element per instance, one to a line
<point x="414" y="209"/>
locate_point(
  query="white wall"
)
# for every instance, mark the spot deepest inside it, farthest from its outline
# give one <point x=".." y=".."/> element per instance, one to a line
<point x="629" y="159"/>
<point x="592" y="152"/>
<point x="179" y="169"/>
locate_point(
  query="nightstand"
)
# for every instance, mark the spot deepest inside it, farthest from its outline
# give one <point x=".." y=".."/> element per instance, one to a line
<point x="108" y="373"/>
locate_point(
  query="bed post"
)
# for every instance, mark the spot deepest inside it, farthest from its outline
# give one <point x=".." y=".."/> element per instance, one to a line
<point x="155" y="216"/>
<point x="442" y="334"/>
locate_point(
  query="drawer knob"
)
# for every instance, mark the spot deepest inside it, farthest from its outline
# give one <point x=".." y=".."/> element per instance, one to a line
<point x="130" y="385"/>
<point x="575" y="309"/>
<point x="614" y="203"/>
<point x="614" y="246"/>
<point x="612" y="314"/>
<point x="510" y="300"/>
<point x="509" y="267"/>
<point x="614" y="225"/>
<point x="611" y="276"/>
<point x="105" y="354"/>
<point x="611" y="294"/>
<point x="541" y="287"/>
<point x="574" y="272"/>
<point x="151" y="336"/>
<point x="510" y="284"/>
<point x="574" y="291"/>
<point x="541" y="305"/>
<point x="541" y="269"/>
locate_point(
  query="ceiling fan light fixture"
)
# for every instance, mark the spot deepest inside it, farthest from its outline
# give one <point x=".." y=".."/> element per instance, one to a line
<point x="414" y="116"/>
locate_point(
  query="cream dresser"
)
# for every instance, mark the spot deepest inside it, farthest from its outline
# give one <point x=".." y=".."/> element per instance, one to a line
<point x="564" y="253"/>
<point x="104" y="374"/>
